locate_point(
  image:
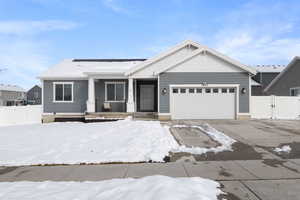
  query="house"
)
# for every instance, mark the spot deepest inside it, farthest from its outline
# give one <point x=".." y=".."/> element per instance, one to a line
<point x="34" y="95"/>
<point x="188" y="81"/>
<point x="287" y="83"/>
<point x="265" y="74"/>
<point x="11" y="95"/>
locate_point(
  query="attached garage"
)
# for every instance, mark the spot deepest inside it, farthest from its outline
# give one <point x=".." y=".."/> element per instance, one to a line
<point x="198" y="102"/>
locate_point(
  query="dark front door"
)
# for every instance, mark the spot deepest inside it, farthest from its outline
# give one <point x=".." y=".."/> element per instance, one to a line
<point x="147" y="96"/>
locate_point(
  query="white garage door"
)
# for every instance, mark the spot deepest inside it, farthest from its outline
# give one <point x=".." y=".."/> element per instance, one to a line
<point x="203" y="103"/>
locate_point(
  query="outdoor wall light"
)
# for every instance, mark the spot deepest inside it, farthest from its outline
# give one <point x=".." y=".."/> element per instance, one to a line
<point x="204" y="84"/>
<point x="243" y="90"/>
<point x="164" y="91"/>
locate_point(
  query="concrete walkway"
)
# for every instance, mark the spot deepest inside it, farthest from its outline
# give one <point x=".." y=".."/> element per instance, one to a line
<point x="251" y="179"/>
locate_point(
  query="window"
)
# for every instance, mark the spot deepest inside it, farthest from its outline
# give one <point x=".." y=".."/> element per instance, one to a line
<point x="208" y="90"/>
<point x="36" y="95"/>
<point x="191" y="90"/>
<point x="224" y="90"/>
<point x="231" y="90"/>
<point x="175" y="90"/>
<point x="182" y="90"/>
<point x="115" y="91"/>
<point x="63" y="92"/>
<point x="295" y="92"/>
<point x="215" y="90"/>
<point x="199" y="90"/>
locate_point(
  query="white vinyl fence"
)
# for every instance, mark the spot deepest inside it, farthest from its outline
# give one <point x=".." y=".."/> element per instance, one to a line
<point x="10" y="115"/>
<point x="275" y="107"/>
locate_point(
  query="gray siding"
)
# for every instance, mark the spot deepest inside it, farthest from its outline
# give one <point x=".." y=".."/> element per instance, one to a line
<point x="167" y="79"/>
<point x="100" y="96"/>
<point x="31" y="95"/>
<point x="290" y="79"/>
<point x="80" y="92"/>
<point x="264" y="78"/>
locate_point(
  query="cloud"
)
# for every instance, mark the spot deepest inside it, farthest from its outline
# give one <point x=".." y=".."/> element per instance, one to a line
<point x="115" y="6"/>
<point x="22" y="53"/>
<point x="255" y="35"/>
<point x="34" y="27"/>
<point x="24" y="60"/>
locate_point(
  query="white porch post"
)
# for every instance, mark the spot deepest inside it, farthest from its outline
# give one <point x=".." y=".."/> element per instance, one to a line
<point x="90" y="104"/>
<point x="130" y="102"/>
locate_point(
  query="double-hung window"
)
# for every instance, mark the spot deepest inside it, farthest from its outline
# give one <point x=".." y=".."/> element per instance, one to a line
<point x="295" y="91"/>
<point x="63" y="91"/>
<point x="114" y="91"/>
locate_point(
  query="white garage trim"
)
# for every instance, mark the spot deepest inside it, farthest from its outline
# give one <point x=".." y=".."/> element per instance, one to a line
<point x="235" y="86"/>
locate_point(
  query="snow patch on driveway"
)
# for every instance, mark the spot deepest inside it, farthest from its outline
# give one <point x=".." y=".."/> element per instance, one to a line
<point x="225" y="141"/>
<point x="75" y="142"/>
<point x="283" y="149"/>
<point x="147" y="188"/>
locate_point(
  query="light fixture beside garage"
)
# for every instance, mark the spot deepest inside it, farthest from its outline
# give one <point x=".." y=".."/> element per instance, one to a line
<point x="243" y="90"/>
<point x="164" y="91"/>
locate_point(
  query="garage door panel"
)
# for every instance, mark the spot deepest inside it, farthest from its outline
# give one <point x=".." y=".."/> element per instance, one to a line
<point x="203" y="105"/>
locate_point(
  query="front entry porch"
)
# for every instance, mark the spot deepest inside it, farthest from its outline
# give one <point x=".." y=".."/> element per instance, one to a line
<point x="121" y="97"/>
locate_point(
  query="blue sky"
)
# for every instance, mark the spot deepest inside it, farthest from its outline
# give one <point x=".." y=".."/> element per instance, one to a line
<point x="35" y="34"/>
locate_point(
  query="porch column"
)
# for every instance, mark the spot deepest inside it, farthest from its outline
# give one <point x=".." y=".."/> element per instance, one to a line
<point x="130" y="102"/>
<point x="90" y="104"/>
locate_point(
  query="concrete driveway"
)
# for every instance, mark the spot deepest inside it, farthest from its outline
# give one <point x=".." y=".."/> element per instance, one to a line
<point x="252" y="171"/>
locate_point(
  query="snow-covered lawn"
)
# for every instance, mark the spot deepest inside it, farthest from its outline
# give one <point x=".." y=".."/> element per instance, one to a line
<point x="75" y="142"/>
<point x="108" y="142"/>
<point x="224" y="140"/>
<point x="147" y="188"/>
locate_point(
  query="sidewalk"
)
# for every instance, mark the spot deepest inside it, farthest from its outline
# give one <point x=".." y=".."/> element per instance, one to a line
<point x="251" y="179"/>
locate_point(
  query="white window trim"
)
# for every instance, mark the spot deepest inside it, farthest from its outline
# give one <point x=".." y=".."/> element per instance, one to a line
<point x="294" y="88"/>
<point x="63" y="83"/>
<point x="115" y="82"/>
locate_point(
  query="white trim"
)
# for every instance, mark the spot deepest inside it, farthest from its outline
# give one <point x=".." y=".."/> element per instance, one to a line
<point x="214" y="53"/>
<point x="244" y="114"/>
<point x="164" y="114"/>
<point x="62" y="78"/>
<point x="46" y="113"/>
<point x="282" y="73"/>
<point x="115" y="82"/>
<point x="201" y="48"/>
<point x="237" y="86"/>
<point x="161" y="56"/>
<point x="63" y="83"/>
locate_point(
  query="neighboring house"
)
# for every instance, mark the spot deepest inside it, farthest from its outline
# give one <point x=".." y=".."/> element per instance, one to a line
<point x="34" y="95"/>
<point x="188" y="81"/>
<point x="11" y="95"/>
<point x="265" y="74"/>
<point x="287" y="83"/>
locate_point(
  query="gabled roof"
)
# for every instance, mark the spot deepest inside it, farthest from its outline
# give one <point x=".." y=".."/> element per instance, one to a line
<point x="254" y="83"/>
<point x="13" y="88"/>
<point x="78" y="68"/>
<point x="282" y="73"/>
<point x="200" y="49"/>
<point x="269" y="68"/>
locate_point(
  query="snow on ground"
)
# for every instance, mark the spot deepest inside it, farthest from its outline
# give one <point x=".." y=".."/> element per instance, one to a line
<point x="225" y="141"/>
<point x="147" y="188"/>
<point x="283" y="149"/>
<point x="75" y="142"/>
